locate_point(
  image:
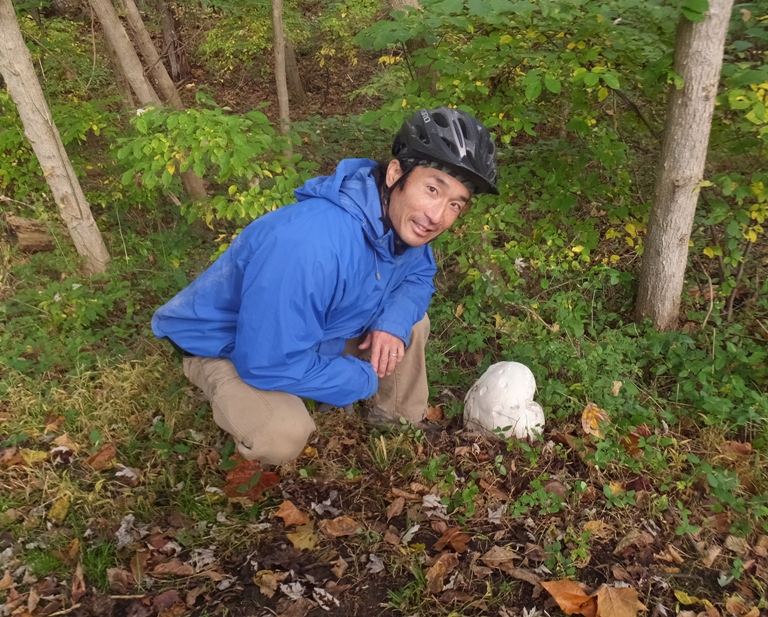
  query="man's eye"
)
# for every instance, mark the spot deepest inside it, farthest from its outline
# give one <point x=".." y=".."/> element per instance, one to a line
<point x="432" y="189"/>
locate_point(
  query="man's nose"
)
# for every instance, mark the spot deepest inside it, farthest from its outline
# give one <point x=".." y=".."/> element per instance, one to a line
<point x="435" y="213"/>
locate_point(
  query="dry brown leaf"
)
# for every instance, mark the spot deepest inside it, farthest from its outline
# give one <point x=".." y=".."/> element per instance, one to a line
<point x="616" y="387"/>
<point x="737" y="545"/>
<point x="165" y="600"/>
<point x="570" y="597"/>
<point x="173" y="567"/>
<point x="434" y="414"/>
<point x="534" y="552"/>
<point x="736" y="606"/>
<point x="598" y="529"/>
<point x="618" y="602"/>
<point x="78" y="584"/>
<point x="66" y="442"/>
<point x="405" y="495"/>
<point x="193" y="595"/>
<point x="436" y="574"/>
<point x="395" y="508"/>
<point x="248" y="479"/>
<point x="339" y="526"/>
<point x="710" y="554"/>
<point x="524" y="574"/>
<point x="267" y="581"/>
<point x="499" y="557"/>
<point x="7" y="581"/>
<point x="455" y="537"/>
<point x="299" y="608"/>
<point x="556" y="487"/>
<point x="120" y="581"/>
<point x="494" y="491"/>
<point x="102" y="458"/>
<point x="340" y="567"/>
<point x="304" y="537"/>
<point x="291" y="515"/>
<point x="591" y="419"/>
<point x="636" y="537"/>
<point x="736" y="448"/>
<point x="33" y="600"/>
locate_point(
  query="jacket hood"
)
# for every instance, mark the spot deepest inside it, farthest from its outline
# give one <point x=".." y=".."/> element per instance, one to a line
<point x="353" y="188"/>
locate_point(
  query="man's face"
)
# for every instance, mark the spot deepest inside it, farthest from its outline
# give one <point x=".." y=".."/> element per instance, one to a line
<point x="427" y="205"/>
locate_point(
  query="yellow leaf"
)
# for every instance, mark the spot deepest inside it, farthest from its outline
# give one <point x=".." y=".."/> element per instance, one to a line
<point x="304" y="537"/>
<point x="709" y="252"/>
<point x="499" y="320"/>
<point x="631" y="229"/>
<point x="505" y="38"/>
<point x="59" y="509"/>
<point x="30" y="457"/>
<point x="459" y="310"/>
<point x="591" y="419"/>
<point x="171" y="167"/>
<point x="602" y="94"/>
<point x="577" y="249"/>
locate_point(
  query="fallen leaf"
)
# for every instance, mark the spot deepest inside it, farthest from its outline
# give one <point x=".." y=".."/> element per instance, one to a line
<point x="499" y="557"/>
<point x="436" y="574"/>
<point x="339" y="526"/>
<point x="737" y="545"/>
<point x="616" y="387"/>
<point x="736" y="606"/>
<point x="598" y="529"/>
<point x="434" y="414"/>
<point x="556" y="487"/>
<point x="570" y="597"/>
<point x="524" y="574"/>
<point x="310" y="452"/>
<point x="78" y="584"/>
<point x="120" y="581"/>
<point x="247" y="479"/>
<point x="52" y="424"/>
<point x="636" y="537"/>
<point x="340" y="567"/>
<point x="267" y="581"/>
<point x="30" y="457"/>
<point x="102" y="458"/>
<point x="688" y="600"/>
<point x="395" y="508"/>
<point x="33" y="600"/>
<point x="534" y="552"/>
<point x="291" y="515"/>
<point x="173" y="567"/>
<point x="493" y="490"/>
<point x="64" y="441"/>
<point x="405" y="495"/>
<point x="166" y="599"/>
<point x="58" y="511"/>
<point x="304" y="537"/>
<point x="7" y="581"/>
<point x="618" y="602"/>
<point x="455" y="537"/>
<point x="736" y="448"/>
<point x="591" y="419"/>
<point x="710" y="554"/>
<point x="299" y="608"/>
<point x="193" y="595"/>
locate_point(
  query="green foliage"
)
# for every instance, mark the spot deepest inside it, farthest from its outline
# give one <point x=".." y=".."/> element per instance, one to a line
<point x="242" y="32"/>
<point x="243" y="153"/>
<point x="339" y="23"/>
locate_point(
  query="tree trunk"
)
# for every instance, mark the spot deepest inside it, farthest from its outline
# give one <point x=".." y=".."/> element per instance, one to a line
<point x="126" y="55"/>
<point x="151" y="57"/>
<point x="177" y="57"/>
<point x="282" y="87"/>
<point x="123" y="85"/>
<point x="24" y="87"/>
<point x="698" y="60"/>
<point x="295" y="87"/>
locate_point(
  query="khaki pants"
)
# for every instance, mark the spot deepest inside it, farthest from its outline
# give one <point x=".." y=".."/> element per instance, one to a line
<point x="274" y="426"/>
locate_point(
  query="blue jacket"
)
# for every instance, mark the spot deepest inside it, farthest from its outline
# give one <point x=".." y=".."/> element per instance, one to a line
<point x="297" y="283"/>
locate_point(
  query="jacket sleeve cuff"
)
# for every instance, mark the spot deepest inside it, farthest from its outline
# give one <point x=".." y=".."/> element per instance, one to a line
<point x="394" y="329"/>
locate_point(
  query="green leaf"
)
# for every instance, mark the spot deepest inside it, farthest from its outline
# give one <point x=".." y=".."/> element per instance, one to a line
<point x="612" y="81"/>
<point x="449" y="7"/>
<point x="533" y="90"/>
<point x="552" y="84"/>
<point x="591" y="79"/>
<point x="695" y="10"/>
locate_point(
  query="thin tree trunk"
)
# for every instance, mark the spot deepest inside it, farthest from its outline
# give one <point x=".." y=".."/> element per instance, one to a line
<point x="126" y="54"/>
<point x="133" y="70"/>
<point x="295" y="87"/>
<point x="123" y="85"/>
<point x="151" y="57"/>
<point x="24" y="87"/>
<point x="423" y="73"/>
<point x="282" y="87"/>
<point x="698" y="60"/>
<point x="177" y="57"/>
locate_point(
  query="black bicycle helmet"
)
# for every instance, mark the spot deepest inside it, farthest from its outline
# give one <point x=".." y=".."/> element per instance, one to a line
<point x="450" y="138"/>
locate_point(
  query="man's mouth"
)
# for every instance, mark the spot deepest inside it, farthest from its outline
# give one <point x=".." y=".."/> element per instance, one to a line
<point x="421" y="230"/>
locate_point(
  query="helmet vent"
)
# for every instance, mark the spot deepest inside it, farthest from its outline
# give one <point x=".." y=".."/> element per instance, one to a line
<point x="451" y="146"/>
<point x="440" y="120"/>
<point x="422" y="135"/>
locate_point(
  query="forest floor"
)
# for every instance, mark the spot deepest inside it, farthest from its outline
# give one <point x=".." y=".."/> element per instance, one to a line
<point x="119" y="496"/>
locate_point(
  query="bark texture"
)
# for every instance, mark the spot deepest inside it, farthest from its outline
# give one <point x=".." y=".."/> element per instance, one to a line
<point x="126" y="54"/>
<point x="31" y="236"/>
<point x="151" y="57"/>
<point x="282" y="86"/>
<point x="295" y="87"/>
<point x="123" y="85"/>
<point x="698" y="60"/>
<point x="177" y="57"/>
<point x="24" y="87"/>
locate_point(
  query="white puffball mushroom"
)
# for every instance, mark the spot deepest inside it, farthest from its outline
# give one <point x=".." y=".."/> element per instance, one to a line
<point x="503" y="399"/>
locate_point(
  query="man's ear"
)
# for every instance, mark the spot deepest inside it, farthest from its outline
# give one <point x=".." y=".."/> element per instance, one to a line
<point x="394" y="171"/>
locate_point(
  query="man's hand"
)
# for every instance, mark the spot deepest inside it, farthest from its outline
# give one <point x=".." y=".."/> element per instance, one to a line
<point x="387" y="351"/>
